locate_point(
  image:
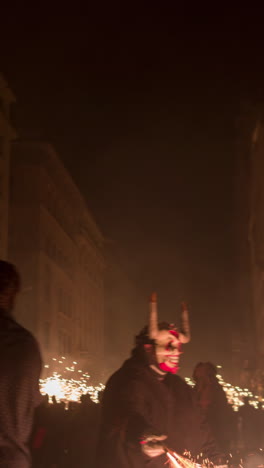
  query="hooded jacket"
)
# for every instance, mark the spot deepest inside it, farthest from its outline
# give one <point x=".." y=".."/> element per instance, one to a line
<point x="136" y="402"/>
<point x="20" y="367"/>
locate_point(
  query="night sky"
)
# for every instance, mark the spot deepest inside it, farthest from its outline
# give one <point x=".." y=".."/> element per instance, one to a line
<point x="141" y="105"/>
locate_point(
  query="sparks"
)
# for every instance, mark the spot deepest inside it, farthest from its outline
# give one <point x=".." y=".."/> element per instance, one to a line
<point x="173" y="460"/>
<point x="179" y="461"/>
<point x="235" y="395"/>
<point x="65" y="388"/>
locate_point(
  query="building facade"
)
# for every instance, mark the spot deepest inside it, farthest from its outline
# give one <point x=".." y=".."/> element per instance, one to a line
<point x="248" y="353"/>
<point x="57" y="247"/>
<point x="243" y="328"/>
<point x="126" y="312"/>
<point x="7" y="134"/>
<point x="256" y="235"/>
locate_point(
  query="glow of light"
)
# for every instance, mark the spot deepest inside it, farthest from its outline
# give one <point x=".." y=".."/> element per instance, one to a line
<point x="235" y="395"/>
<point x="173" y="460"/>
<point x="179" y="461"/>
<point x="65" y="388"/>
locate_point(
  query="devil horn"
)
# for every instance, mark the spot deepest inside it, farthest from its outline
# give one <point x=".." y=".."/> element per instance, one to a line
<point x="185" y="334"/>
<point x="153" y="317"/>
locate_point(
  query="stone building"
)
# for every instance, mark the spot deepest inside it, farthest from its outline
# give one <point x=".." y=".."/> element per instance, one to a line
<point x="7" y="134"/>
<point x="126" y="311"/>
<point x="256" y="235"/>
<point x="57" y="246"/>
<point x="248" y="349"/>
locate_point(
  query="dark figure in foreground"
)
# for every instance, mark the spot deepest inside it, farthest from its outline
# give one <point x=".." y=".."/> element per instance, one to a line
<point x="146" y="405"/>
<point x="20" y="367"/>
<point x="65" y="439"/>
<point x="250" y="428"/>
<point x="83" y="432"/>
<point x="214" y="405"/>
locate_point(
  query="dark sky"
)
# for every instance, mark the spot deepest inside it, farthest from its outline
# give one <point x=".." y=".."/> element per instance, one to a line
<point x="141" y="105"/>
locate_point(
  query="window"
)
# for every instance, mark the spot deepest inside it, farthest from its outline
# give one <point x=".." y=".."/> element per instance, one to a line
<point x="68" y="344"/>
<point x="65" y="344"/>
<point x="47" y="283"/>
<point x="69" y="306"/>
<point x="46" y="334"/>
<point x="61" y="343"/>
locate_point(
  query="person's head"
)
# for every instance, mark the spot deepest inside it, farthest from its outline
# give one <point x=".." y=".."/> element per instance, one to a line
<point x="54" y="400"/>
<point x="45" y="400"/>
<point x="246" y="400"/>
<point x="62" y="405"/>
<point x="9" y="285"/>
<point x="86" y="400"/>
<point x="205" y="371"/>
<point x="162" y="340"/>
<point x="100" y="396"/>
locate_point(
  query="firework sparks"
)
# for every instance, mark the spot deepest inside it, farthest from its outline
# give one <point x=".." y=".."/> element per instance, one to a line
<point x="179" y="461"/>
<point x="235" y="395"/>
<point x="65" y="388"/>
<point x="173" y="460"/>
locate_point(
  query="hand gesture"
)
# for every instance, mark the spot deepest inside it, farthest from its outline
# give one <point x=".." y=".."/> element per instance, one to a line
<point x="152" y="445"/>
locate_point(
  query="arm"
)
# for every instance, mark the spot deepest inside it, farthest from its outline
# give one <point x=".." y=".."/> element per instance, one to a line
<point x="26" y="383"/>
<point x="126" y="417"/>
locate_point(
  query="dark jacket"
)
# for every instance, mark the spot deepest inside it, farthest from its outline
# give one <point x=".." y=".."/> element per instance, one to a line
<point x="20" y="367"/>
<point x="136" y="403"/>
<point x="217" y="411"/>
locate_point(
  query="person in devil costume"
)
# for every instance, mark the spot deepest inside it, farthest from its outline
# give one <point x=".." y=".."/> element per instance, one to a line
<point x="146" y="406"/>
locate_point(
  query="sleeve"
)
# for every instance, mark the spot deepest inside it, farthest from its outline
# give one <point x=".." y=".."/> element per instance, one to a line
<point x="126" y="411"/>
<point x="20" y="373"/>
<point x="136" y="407"/>
<point x="27" y="394"/>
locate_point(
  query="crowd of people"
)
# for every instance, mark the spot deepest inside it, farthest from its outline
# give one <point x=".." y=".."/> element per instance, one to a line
<point x="66" y="437"/>
<point x="145" y="410"/>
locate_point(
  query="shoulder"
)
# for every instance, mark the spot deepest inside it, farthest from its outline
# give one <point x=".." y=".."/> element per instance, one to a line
<point x="15" y="339"/>
<point x="26" y="338"/>
<point x="180" y="386"/>
<point x="178" y="381"/>
<point x="30" y="348"/>
<point x="126" y="380"/>
<point x="121" y="376"/>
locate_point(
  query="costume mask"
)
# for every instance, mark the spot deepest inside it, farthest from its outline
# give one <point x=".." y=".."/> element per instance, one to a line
<point x="168" y="342"/>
